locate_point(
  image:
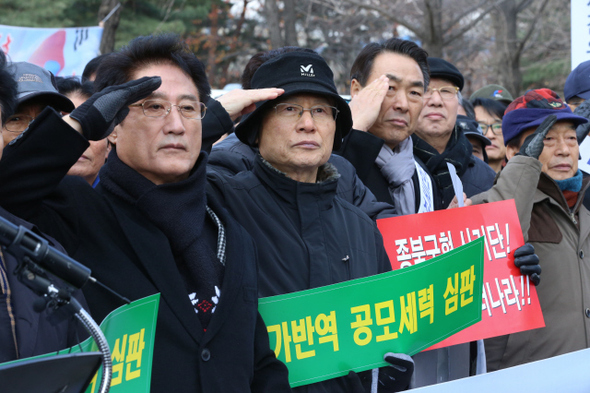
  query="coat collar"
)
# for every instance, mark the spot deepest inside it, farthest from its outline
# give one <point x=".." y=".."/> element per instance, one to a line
<point x="294" y="193"/>
<point x="547" y="189"/>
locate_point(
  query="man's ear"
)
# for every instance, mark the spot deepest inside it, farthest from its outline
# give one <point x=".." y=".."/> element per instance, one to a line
<point x="511" y="151"/>
<point x="113" y="137"/>
<point x="355" y="87"/>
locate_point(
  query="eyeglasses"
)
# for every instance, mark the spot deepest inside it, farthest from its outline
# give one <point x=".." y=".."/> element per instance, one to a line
<point x="446" y="92"/>
<point x="319" y="113"/>
<point x="496" y="127"/>
<point x="161" y="108"/>
<point x="18" y="123"/>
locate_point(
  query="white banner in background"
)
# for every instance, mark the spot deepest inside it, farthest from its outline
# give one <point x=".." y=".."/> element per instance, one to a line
<point x="63" y="51"/>
<point x="580" y="16"/>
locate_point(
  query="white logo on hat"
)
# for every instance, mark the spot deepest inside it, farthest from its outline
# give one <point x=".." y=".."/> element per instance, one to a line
<point x="307" y="70"/>
<point x="30" y="78"/>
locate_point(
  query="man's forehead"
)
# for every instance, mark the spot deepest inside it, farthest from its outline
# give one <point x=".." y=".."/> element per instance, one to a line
<point x="294" y="98"/>
<point x="563" y="125"/>
<point x="181" y="96"/>
<point x="397" y="67"/>
<point x="441" y="82"/>
<point x="176" y="85"/>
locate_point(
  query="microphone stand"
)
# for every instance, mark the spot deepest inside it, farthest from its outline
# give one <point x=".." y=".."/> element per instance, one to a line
<point x="32" y="276"/>
<point x="36" y="257"/>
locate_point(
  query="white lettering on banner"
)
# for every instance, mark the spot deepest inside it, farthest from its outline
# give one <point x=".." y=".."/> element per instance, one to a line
<point x="411" y="251"/>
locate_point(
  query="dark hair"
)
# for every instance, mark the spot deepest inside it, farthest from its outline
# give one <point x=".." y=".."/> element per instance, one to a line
<point x="363" y="64"/>
<point x="92" y="66"/>
<point x="467" y="107"/>
<point x="7" y="90"/>
<point x="493" y="107"/>
<point x="262" y="57"/>
<point x="73" y="85"/>
<point x="141" y="52"/>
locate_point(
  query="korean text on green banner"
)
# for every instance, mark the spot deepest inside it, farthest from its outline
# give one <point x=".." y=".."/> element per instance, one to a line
<point x="510" y="302"/>
<point x="130" y="332"/>
<point x="325" y="332"/>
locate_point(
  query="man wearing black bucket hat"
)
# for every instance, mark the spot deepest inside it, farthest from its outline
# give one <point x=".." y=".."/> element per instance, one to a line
<point x="306" y="235"/>
<point x="233" y="156"/>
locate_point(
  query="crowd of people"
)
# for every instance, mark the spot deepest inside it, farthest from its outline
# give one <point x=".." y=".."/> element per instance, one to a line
<point x="137" y="173"/>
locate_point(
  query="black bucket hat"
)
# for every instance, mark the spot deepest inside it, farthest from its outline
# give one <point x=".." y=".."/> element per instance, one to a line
<point x="295" y="72"/>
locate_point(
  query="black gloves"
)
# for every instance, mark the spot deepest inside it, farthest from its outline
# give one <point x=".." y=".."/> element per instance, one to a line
<point x="528" y="262"/>
<point x="582" y="130"/>
<point x="533" y="144"/>
<point x="394" y="378"/>
<point x="353" y="382"/>
<point x="107" y="108"/>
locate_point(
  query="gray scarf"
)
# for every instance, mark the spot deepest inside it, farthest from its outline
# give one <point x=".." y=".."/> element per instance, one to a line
<point x="397" y="166"/>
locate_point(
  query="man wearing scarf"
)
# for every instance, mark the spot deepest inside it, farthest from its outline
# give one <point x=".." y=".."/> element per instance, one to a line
<point x="149" y="226"/>
<point x="543" y="178"/>
<point x="438" y="141"/>
<point x="388" y="81"/>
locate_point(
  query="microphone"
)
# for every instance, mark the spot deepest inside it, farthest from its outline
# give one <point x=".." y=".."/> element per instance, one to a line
<point x="20" y="240"/>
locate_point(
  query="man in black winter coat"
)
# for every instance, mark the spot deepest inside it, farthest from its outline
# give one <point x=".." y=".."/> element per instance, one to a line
<point x="149" y="226"/>
<point x="307" y="235"/>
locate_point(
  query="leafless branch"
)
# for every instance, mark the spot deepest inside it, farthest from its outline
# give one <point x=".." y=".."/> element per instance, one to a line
<point x="532" y="26"/>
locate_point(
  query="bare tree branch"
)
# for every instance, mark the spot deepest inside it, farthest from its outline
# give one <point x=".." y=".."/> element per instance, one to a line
<point x="523" y="5"/>
<point x="420" y="33"/>
<point x="532" y="26"/>
<point x="168" y="8"/>
<point x="469" y="11"/>
<point x="467" y="27"/>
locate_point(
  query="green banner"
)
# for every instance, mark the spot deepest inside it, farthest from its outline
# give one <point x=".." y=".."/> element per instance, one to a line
<point x="323" y="333"/>
<point x="130" y="332"/>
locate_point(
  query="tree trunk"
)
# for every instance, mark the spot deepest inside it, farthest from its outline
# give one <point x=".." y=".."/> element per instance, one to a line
<point x="433" y="39"/>
<point x="212" y="44"/>
<point x="107" y="43"/>
<point x="507" y="47"/>
<point x="289" y="19"/>
<point x="273" y="19"/>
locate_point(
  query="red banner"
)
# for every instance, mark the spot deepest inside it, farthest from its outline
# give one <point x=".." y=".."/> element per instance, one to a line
<point x="509" y="302"/>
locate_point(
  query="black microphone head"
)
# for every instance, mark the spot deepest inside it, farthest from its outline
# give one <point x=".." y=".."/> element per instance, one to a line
<point x="40" y="304"/>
